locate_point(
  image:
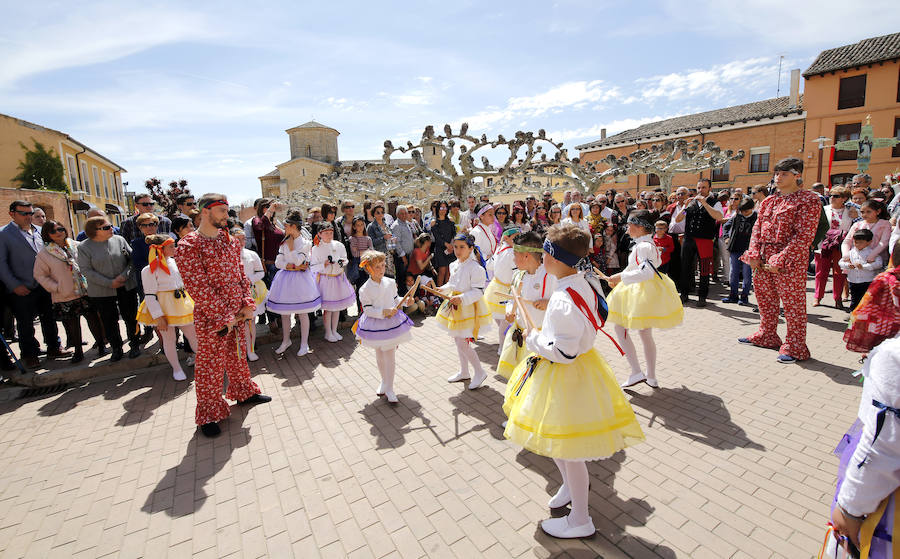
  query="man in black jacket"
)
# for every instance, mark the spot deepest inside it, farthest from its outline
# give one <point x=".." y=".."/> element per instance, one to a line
<point x="701" y="217"/>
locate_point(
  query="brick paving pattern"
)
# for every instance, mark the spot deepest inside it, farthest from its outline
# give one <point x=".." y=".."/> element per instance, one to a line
<point x="737" y="461"/>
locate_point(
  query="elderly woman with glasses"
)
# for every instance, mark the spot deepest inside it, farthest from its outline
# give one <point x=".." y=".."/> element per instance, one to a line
<point x="56" y="269"/>
<point x="105" y="260"/>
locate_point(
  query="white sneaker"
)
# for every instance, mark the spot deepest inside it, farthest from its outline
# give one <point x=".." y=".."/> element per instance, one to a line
<point x="304" y="350"/>
<point x="560" y="528"/>
<point x="391" y="397"/>
<point x="329" y="337"/>
<point x="178" y="375"/>
<point x="251" y="356"/>
<point x="562" y="498"/>
<point x="635" y="378"/>
<point x="283" y="347"/>
<point x="478" y="380"/>
<point x="462" y="375"/>
<point x="191" y="358"/>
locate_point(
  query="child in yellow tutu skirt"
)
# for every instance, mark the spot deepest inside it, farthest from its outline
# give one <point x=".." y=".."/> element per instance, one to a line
<point x="166" y="304"/>
<point x="464" y="312"/>
<point x="642" y="299"/>
<point x="563" y="401"/>
<point x="536" y="285"/>
<point x="498" y="290"/>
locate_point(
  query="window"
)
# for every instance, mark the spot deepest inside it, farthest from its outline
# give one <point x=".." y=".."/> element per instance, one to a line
<point x="843" y="132"/>
<point x="721" y="174"/>
<point x="303" y="172"/>
<point x="896" y="151"/>
<point x="73" y="173"/>
<point x="839" y="179"/>
<point x="759" y="159"/>
<point x="852" y="92"/>
<point x="105" y="178"/>
<point x="85" y="179"/>
<point x="433" y="150"/>
<point x="652" y="180"/>
<point x="308" y="151"/>
<point x="490" y="182"/>
<point x="97" y="181"/>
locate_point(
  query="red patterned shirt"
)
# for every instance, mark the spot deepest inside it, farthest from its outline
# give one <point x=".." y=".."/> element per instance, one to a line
<point x="785" y="229"/>
<point x="213" y="274"/>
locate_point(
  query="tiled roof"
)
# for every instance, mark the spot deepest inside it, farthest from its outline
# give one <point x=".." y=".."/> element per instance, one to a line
<point x="350" y="162"/>
<point x="759" y="110"/>
<point x="313" y="124"/>
<point x="867" y="51"/>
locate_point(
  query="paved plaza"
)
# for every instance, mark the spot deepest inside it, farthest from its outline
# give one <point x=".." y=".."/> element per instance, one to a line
<point x="737" y="463"/>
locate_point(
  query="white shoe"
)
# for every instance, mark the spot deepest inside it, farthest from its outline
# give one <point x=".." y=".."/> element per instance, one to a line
<point x="337" y="337"/>
<point x="504" y="424"/>
<point x="283" y="347"/>
<point x="191" y="358"/>
<point x="380" y="391"/>
<point x="391" y="397"/>
<point x="500" y="348"/>
<point x="251" y="356"/>
<point x="652" y="382"/>
<point x="562" y="498"/>
<point x="329" y="337"/>
<point x="560" y="528"/>
<point x="178" y="375"/>
<point x="462" y="375"/>
<point x="478" y="380"/>
<point x="635" y="378"/>
<point x="304" y="350"/>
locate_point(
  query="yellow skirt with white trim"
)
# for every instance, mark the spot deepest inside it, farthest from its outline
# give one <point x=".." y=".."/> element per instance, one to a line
<point x="512" y="353"/>
<point x="572" y="411"/>
<point x="495" y="297"/>
<point x="653" y="303"/>
<point x="259" y="292"/>
<point x="464" y="321"/>
<point x="178" y="312"/>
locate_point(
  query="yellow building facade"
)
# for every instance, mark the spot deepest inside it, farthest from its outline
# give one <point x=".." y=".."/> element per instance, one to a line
<point x="93" y="180"/>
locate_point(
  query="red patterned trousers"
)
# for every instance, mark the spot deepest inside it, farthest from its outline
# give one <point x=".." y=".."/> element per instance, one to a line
<point x="215" y="355"/>
<point x="787" y="287"/>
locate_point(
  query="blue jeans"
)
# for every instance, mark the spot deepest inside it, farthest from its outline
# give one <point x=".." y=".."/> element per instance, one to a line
<point x="738" y="267"/>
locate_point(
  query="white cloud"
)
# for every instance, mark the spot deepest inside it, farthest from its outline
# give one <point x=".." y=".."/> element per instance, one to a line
<point x="570" y="94"/>
<point x="714" y="82"/>
<point x="419" y="98"/>
<point x="613" y="127"/>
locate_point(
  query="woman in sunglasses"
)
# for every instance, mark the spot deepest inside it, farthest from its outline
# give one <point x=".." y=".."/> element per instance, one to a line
<point x="105" y="260"/>
<point x="56" y="269"/>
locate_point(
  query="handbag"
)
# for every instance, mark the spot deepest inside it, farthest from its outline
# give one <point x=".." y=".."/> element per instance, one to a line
<point x="353" y="270"/>
<point x="833" y="239"/>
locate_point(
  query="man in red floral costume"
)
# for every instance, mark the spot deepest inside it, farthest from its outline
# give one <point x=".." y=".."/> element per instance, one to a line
<point x="210" y="264"/>
<point x="779" y="254"/>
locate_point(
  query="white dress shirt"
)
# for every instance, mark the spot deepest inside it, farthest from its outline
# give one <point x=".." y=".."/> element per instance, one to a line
<point x="677" y="227"/>
<point x="565" y="331"/>
<point x="378" y="297"/>
<point x="299" y="255"/>
<point x="869" y="269"/>
<point x="468" y="279"/>
<point x="157" y="282"/>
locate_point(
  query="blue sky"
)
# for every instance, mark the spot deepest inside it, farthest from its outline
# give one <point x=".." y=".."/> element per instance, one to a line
<point x="205" y="90"/>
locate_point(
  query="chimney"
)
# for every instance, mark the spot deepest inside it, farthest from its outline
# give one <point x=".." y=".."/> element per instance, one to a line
<point x="603" y="133"/>
<point x="794" y="101"/>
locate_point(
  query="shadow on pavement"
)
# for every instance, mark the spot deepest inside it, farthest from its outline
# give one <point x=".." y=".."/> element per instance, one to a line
<point x="180" y="491"/>
<point x="484" y="404"/>
<point x="696" y="415"/>
<point x="840" y="375"/>
<point x="391" y="422"/>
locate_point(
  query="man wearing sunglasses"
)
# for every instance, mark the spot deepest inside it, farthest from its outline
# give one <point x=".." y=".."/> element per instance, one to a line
<point x="20" y="241"/>
<point x="143" y="203"/>
<point x="185" y="202"/>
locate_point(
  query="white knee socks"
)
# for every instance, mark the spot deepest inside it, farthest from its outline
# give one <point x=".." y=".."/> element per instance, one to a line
<point x="171" y="352"/>
<point x="335" y="319"/>
<point x="326" y="321"/>
<point x="628" y="348"/>
<point x="502" y="325"/>
<point x="304" y="333"/>
<point x="577" y="480"/>
<point x="649" y="352"/>
<point x="285" y="333"/>
<point x="462" y="351"/>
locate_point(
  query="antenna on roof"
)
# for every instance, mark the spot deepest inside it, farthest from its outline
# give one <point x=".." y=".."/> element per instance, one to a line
<point x="780" y="61"/>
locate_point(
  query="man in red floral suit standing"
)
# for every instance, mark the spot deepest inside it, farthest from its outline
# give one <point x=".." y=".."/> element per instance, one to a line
<point x="779" y="254"/>
<point x="210" y="264"/>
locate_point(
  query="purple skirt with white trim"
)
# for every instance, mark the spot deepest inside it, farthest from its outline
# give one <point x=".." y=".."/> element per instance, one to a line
<point x="384" y="333"/>
<point x="292" y="292"/>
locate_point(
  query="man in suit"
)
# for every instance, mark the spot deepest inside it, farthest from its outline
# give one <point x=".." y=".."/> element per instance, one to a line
<point x="20" y="241"/>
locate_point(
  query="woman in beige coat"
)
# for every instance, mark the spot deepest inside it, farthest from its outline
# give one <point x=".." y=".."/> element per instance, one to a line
<point x="56" y="269"/>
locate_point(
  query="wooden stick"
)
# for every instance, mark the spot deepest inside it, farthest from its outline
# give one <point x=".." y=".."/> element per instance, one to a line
<point x="435" y="292"/>
<point x="411" y="291"/>
<point x="517" y="296"/>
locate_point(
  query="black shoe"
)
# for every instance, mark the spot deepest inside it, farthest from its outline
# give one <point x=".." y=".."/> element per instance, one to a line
<point x="116" y="354"/>
<point x="701" y="302"/>
<point x="56" y="353"/>
<point x="101" y="349"/>
<point x="210" y="430"/>
<point x="255" y="399"/>
<point x="32" y="362"/>
<point x="744" y="303"/>
<point x="134" y="352"/>
<point x="729" y="300"/>
<point x="78" y="357"/>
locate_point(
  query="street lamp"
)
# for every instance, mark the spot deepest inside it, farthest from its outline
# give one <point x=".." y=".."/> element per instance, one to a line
<point x="821" y="141"/>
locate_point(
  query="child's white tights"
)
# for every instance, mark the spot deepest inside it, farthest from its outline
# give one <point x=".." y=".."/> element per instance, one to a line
<point x="646" y="336"/>
<point x="303" y="319"/>
<point x="171" y="351"/>
<point x="387" y="366"/>
<point x="330" y="319"/>
<point x="467" y="356"/>
<point x="575" y="487"/>
<point x="502" y="325"/>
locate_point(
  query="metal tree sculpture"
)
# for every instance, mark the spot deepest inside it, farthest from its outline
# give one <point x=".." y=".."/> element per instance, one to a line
<point x="524" y="168"/>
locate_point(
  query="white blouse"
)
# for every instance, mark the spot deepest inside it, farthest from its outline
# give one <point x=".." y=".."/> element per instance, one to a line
<point x="535" y="287"/>
<point x="253" y="267"/>
<point x="158" y="282"/>
<point x="565" y="331"/>
<point x="485" y="241"/>
<point x="320" y="253"/>
<point x="879" y="476"/>
<point x="466" y="278"/>
<point x="299" y="255"/>
<point x="504" y="264"/>
<point x="378" y="297"/>
<point x="638" y="269"/>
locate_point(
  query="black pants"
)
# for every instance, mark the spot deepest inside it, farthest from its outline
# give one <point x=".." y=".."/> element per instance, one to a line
<point x="857" y="290"/>
<point x="400" y="274"/>
<point x="689" y="259"/>
<point x="25" y="308"/>
<point x="124" y="304"/>
<point x="674" y="270"/>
